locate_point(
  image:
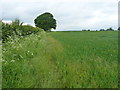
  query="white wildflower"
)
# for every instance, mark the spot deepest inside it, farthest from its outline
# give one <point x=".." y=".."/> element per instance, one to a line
<point x="49" y="72"/>
<point x="14" y="46"/>
<point x="20" y="45"/>
<point x="21" y="56"/>
<point x="32" y="54"/>
<point x="12" y="60"/>
<point x="5" y="63"/>
<point x="3" y="60"/>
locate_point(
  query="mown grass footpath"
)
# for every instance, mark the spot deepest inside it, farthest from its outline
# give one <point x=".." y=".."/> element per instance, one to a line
<point x="61" y="60"/>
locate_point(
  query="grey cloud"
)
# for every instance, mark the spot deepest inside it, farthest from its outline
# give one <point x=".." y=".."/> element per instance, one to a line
<point x="70" y="14"/>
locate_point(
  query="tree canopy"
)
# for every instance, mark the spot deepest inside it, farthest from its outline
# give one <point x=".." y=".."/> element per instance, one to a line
<point x="45" y="21"/>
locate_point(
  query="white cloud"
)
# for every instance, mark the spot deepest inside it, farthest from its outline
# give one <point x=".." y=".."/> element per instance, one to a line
<point x="70" y="14"/>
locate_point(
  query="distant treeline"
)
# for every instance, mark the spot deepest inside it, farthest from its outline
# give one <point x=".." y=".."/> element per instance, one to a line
<point x="16" y="28"/>
<point x="109" y="29"/>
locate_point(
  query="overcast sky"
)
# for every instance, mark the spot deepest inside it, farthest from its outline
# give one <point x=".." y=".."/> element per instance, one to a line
<point x="70" y="14"/>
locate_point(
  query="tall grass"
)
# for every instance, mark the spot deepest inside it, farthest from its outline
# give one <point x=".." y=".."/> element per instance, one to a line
<point x="89" y="58"/>
<point x="29" y="62"/>
<point x="19" y="65"/>
<point x="61" y="60"/>
<point x="0" y="64"/>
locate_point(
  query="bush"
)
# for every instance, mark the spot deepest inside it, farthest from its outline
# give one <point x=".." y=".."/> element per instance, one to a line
<point x="17" y="28"/>
<point x="84" y="30"/>
<point x="110" y="29"/>
<point x="102" y="29"/>
<point x="27" y="29"/>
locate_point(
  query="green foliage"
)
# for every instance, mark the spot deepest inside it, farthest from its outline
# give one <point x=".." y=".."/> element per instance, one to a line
<point x="45" y="21"/>
<point x="27" y="29"/>
<point x="102" y="29"/>
<point x="17" y="28"/>
<point x="19" y="67"/>
<point x="61" y="60"/>
<point x="84" y="30"/>
<point x="110" y="29"/>
<point x="0" y="29"/>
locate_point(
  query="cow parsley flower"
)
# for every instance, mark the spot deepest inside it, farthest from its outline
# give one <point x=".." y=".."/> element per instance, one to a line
<point x="12" y="60"/>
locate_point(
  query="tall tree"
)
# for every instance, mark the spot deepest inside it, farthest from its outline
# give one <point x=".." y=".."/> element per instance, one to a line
<point x="45" y="21"/>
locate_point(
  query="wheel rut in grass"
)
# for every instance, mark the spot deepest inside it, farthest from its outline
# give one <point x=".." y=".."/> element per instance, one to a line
<point x="50" y="71"/>
<point x="54" y="48"/>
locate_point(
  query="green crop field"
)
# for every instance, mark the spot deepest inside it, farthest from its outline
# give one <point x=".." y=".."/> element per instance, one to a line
<point x="84" y="59"/>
